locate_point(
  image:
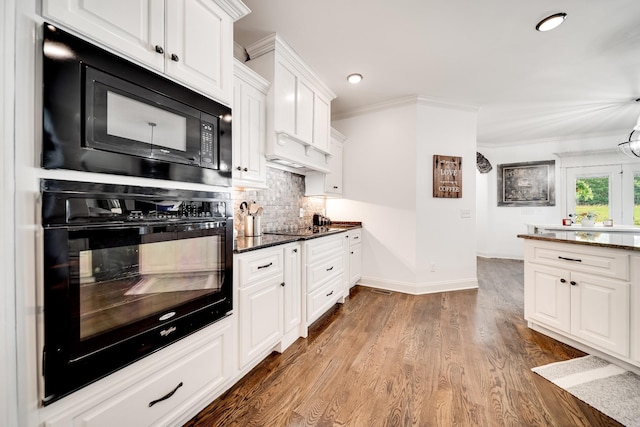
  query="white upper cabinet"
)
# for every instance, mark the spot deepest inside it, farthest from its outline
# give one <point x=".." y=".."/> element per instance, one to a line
<point x="321" y="122"/>
<point x="249" y="131"/>
<point x="191" y="41"/>
<point x="299" y="104"/>
<point x="328" y="184"/>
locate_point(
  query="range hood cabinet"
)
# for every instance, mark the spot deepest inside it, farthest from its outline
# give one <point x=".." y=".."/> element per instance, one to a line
<point x="295" y="155"/>
<point x="298" y="107"/>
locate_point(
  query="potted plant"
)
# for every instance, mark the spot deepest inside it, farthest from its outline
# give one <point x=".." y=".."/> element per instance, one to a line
<point x="588" y="219"/>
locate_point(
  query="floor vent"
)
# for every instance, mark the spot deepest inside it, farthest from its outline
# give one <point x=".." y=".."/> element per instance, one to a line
<point x="381" y="291"/>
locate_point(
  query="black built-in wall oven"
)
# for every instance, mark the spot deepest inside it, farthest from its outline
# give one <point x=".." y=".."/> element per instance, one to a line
<point x="127" y="271"/>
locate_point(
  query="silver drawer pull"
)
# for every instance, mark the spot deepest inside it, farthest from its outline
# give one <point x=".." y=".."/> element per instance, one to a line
<point x="330" y="268"/>
<point x="265" y="266"/>
<point x="570" y="259"/>
<point x="356" y="238"/>
<point x="166" y="396"/>
<point x="330" y="293"/>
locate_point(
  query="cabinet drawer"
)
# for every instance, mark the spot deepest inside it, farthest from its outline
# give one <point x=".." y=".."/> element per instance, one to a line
<point x="205" y="367"/>
<point x="320" y="300"/>
<point x="317" y="249"/>
<point x="600" y="261"/>
<point x="355" y="236"/>
<point x="260" y="265"/>
<point x="320" y="272"/>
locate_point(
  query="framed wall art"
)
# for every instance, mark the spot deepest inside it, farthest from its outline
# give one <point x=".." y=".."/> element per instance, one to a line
<point x="447" y="176"/>
<point x="527" y="184"/>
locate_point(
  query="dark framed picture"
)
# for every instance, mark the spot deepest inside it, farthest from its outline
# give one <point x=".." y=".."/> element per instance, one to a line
<point x="527" y="184"/>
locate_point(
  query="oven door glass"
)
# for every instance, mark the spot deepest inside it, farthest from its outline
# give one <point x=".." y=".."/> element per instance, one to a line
<point x="132" y="279"/>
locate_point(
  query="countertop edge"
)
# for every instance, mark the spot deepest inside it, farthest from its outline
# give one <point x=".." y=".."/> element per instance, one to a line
<point x="577" y="242"/>
<point x="277" y="240"/>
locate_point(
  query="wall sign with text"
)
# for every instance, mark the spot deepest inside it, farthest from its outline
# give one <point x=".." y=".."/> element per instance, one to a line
<point x="447" y="176"/>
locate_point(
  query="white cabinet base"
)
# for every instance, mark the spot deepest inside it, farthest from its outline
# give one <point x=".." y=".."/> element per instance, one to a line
<point x="583" y="347"/>
<point x="203" y="363"/>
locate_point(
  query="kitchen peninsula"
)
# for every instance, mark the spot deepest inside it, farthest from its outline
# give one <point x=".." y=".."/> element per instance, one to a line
<point x="583" y="288"/>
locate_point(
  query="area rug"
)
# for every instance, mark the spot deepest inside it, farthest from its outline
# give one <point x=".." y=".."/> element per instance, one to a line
<point x="608" y="388"/>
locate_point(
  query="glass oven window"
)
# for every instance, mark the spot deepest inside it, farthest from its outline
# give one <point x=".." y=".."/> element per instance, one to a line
<point x="123" y="284"/>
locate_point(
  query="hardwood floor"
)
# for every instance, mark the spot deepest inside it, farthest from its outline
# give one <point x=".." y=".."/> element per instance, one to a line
<point x="448" y="359"/>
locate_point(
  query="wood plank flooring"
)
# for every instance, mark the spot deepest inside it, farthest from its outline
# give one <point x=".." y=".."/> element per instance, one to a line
<point x="448" y="359"/>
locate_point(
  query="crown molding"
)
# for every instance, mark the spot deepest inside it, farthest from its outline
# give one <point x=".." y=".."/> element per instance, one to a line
<point x="556" y="139"/>
<point x="402" y="102"/>
<point x="276" y="44"/>
<point x="246" y="74"/>
<point x="235" y="8"/>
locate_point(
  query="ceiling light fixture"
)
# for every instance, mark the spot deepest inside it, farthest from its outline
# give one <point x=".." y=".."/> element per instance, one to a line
<point x="551" y="22"/>
<point x="354" y="78"/>
<point x="631" y="147"/>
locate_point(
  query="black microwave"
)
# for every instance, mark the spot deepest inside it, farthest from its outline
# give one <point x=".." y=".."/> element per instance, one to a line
<point x="102" y="113"/>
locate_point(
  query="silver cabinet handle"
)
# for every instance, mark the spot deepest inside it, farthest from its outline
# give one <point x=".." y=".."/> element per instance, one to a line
<point x="166" y="396"/>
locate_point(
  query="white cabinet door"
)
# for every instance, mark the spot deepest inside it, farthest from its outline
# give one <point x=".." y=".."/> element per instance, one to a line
<point x="133" y="27"/>
<point x="285" y="95"/>
<point x="249" y="133"/>
<point x="333" y="180"/>
<point x="548" y="296"/>
<point x="321" y="123"/>
<point x="600" y="312"/>
<point x="292" y="288"/>
<point x="199" y="46"/>
<point x="328" y="184"/>
<point x="261" y="319"/>
<point x="304" y="111"/>
<point x="355" y="264"/>
<point x="191" y="41"/>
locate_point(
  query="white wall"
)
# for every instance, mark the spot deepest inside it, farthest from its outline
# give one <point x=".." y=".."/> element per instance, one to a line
<point x="379" y="187"/>
<point x="387" y="184"/>
<point x="498" y="226"/>
<point x="8" y="362"/>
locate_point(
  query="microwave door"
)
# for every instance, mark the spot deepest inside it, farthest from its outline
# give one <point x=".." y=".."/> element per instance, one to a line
<point x="129" y="119"/>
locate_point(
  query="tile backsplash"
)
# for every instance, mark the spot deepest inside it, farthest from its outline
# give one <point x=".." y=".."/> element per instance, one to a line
<point x="281" y="202"/>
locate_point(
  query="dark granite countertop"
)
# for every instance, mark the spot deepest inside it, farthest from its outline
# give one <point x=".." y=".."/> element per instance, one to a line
<point x="246" y="244"/>
<point x="615" y="240"/>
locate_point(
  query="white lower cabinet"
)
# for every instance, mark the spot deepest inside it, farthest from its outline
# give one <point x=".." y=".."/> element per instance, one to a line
<point x="260" y="302"/>
<point x="355" y="256"/>
<point x="166" y="388"/>
<point x="593" y="309"/>
<point x="292" y="287"/>
<point x="269" y="300"/>
<point x="324" y="277"/>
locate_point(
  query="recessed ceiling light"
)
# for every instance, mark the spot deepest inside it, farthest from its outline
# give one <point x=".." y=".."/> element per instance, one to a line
<point x="551" y="22"/>
<point x="354" y="78"/>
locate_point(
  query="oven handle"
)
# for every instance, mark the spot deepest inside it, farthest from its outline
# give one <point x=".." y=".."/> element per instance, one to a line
<point x="149" y="228"/>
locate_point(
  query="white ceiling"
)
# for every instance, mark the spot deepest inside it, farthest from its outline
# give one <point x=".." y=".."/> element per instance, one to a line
<point x="579" y="79"/>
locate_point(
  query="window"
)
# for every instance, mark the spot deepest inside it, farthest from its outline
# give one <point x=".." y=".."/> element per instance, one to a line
<point x="596" y="189"/>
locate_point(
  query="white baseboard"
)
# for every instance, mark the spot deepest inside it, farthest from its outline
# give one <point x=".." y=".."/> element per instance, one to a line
<point x="419" y="288"/>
